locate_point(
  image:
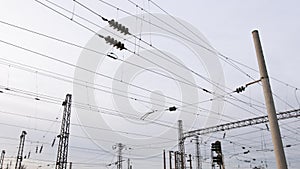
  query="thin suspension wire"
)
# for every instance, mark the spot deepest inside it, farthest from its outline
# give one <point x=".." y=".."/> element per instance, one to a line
<point x="225" y="58"/>
<point x="133" y="52"/>
<point x="210" y="81"/>
<point x="148" y="60"/>
<point x="77" y="125"/>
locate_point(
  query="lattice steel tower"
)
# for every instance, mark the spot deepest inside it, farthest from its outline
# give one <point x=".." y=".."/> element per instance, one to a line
<point x="62" y="153"/>
<point x="181" y="149"/>
<point x="2" y="159"/>
<point x="120" y="148"/>
<point x="20" y="151"/>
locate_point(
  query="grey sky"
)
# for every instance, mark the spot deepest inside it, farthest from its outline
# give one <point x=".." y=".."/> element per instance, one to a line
<point x="227" y="25"/>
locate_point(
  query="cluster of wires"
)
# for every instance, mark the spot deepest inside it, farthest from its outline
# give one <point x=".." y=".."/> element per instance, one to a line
<point x="256" y="108"/>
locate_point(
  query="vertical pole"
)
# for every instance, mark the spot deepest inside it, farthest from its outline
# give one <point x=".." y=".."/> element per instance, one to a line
<point x="20" y="150"/>
<point x="176" y="159"/>
<point x="128" y="163"/>
<point x="120" y="148"/>
<point x="182" y="160"/>
<point x="212" y="159"/>
<point x="198" y="162"/>
<point x="181" y="150"/>
<point x="190" y="160"/>
<point x="70" y="167"/>
<point x="164" y="159"/>
<point x="274" y="127"/>
<point x="170" y="158"/>
<point x="63" y="145"/>
<point x="2" y="159"/>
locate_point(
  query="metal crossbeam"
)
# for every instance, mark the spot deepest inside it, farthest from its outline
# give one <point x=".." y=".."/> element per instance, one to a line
<point x="242" y="123"/>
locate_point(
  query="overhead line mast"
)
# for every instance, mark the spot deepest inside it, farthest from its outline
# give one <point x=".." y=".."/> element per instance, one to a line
<point x="62" y="153"/>
<point x="2" y="159"/>
<point x="20" y="150"/>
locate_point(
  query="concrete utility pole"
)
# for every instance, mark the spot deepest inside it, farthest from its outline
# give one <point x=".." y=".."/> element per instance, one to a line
<point x="62" y="153"/>
<point x="274" y="127"/>
<point x="2" y="159"/>
<point x="20" y="150"/>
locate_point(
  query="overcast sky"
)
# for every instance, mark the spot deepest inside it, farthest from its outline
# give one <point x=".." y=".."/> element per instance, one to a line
<point x="226" y="26"/>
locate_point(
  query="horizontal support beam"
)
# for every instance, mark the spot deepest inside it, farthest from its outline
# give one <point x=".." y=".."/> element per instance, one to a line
<point x="241" y="123"/>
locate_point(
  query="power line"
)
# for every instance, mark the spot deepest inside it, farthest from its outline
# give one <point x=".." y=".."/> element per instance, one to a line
<point x="167" y="56"/>
<point x="70" y="64"/>
<point x="83" y="48"/>
<point x="224" y="57"/>
<point x="128" y="49"/>
<point x="75" y="124"/>
<point x="148" y="60"/>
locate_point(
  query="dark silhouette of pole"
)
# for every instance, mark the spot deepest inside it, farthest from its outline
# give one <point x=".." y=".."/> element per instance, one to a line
<point x="170" y="159"/>
<point x="2" y="159"/>
<point x="164" y="159"/>
<point x="198" y="162"/>
<point x="181" y="149"/>
<point x="190" y="160"/>
<point x="182" y="165"/>
<point x="176" y="159"/>
<point x="274" y="127"/>
<point x="20" y="150"/>
<point x="62" y="153"/>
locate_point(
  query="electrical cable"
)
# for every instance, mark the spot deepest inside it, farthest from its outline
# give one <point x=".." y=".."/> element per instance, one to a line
<point x="64" y="42"/>
<point x="134" y="52"/>
<point x="139" y="55"/>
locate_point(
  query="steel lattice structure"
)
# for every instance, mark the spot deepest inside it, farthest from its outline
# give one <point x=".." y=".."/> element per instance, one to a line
<point x="2" y="159"/>
<point x="242" y="123"/>
<point x="20" y="150"/>
<point x="62" y="153"/>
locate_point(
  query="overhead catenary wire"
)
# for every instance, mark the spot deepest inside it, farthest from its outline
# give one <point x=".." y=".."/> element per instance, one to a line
<point x="133" y="52"/>
<point x="93" y="108"/>
<point x="36" y="97"/>
<point x="223" y="57"/>
<point x="45" y="55"/>
<point x="141" y="56"/>
<point x="77" y="125"/>
<point x="169" y="58"/>
<point x="55" y="100"/>
<point x="63" y="41"/>
<point x="85" y="49"/>
<point x="159" y="50"/>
